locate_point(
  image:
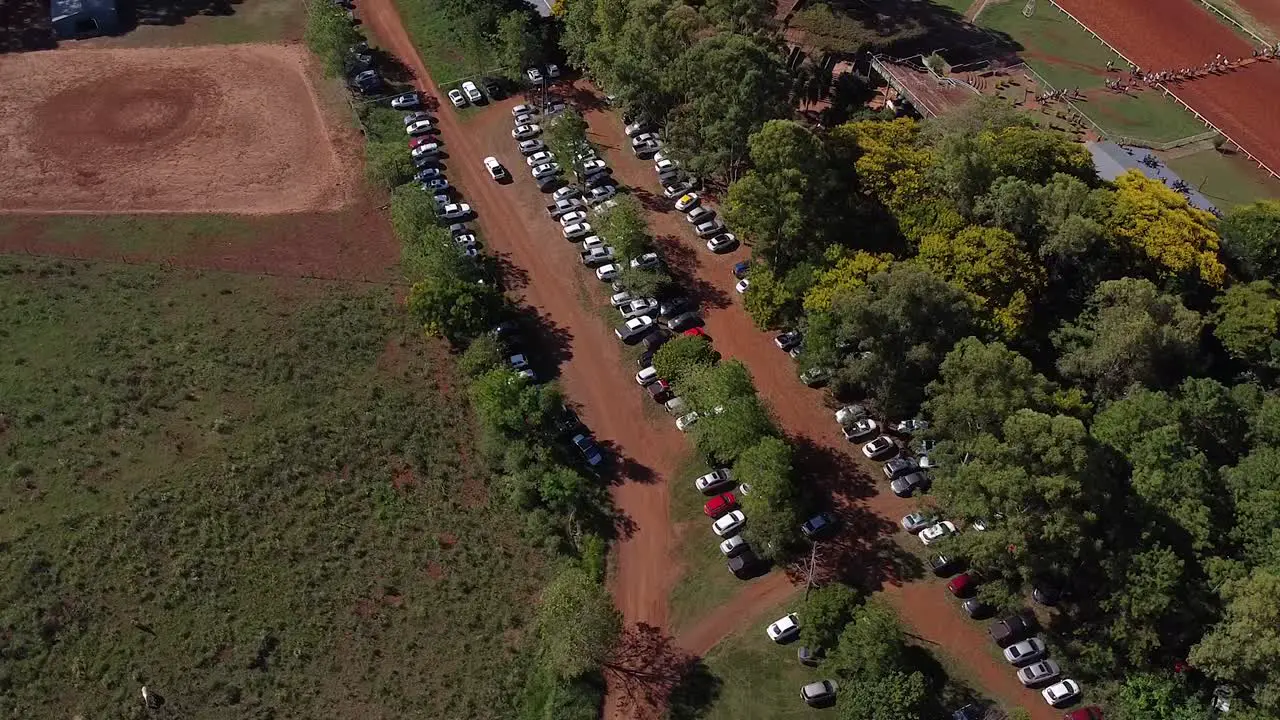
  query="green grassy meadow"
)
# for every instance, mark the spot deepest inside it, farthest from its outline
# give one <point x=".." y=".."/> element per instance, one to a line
<point x="257" y="497"/>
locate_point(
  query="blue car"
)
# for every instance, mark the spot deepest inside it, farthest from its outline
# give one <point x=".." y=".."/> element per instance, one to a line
<point x="740" y="270"/>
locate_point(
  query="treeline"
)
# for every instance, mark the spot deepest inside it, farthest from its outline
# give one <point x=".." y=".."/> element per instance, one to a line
<point x="1098" y="361"/>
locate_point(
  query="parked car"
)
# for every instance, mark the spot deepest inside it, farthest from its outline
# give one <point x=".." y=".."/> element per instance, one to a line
<point x="545" y="170"/>
<point x="437" y="185"/>
<point x="1061" y="693"/>
<point x="539" y="158"/>
<point x="686" y="202"/>
<point x="881" y="447"/>
<point x="682" y="322"/>
<point x="589" y="449"/>
<point x="1009" y="630"/>
<point x="733" y="546"/>
<point x="635" y="308"/>
<point x="635" y="129"/>
<point x="429" y="149"/>
<point x="601" y="194"/>
<point x="406" y="101"/>
<point x="729" y="525"/>
<point x="859" y="429"/>
<point x="711" y="227"/>
<point x="457" y="98"/>
<point x="820" y="693"/>
<point x="743" y="286"/>
<point x="788" y="339"/>
<point x="644" y="138"/>
<point x="572" y="217"/>
<point x="597" y="256"/>
<point x="413" y="117"/>
<point x="719" y="505"/>
<point x="492" y="88"/>
<point x="455" y="211"/>
<point x="1092" y="712"/>
<point x="942" y="565"/>
<point x="530" y="146"/>
<point x="429" y="173"/>
<point x="897" y="467"/>
<point x="607" y="273"/>
<point x="907" y="485"/>
<point x="524" y="132"/>
<point x="744" y="564"/>
<point x="1025" y="651"/>
<point x="917" y="521"/>
<point x="593" y="166"/>
<point x="576" y="230"/>
<point x="521" y="109"/>
<point x="421" y="127"/>
<point x="741" y="269"/>
<point x="472" y="92"/>
<point x="819" y="526"/>
<point x="677" y="188"/>
<point x="646" y="376"/>
<point x="907" y="427"/>
<point x="784" y="629"/>
<point x="699" y="215"/>
<point x="684" y="422"/>
<point x="714" y="481"/>
<point x="962" y="585"/>
<point x="975" y="608"/>
<point x="631" y="330"/>
<point x="673" y="306"/>
<point x="645" y="148"/>
<point x="534" y="75"/>
<point x="936" y="532"/>
<point x="815" y="376"/>
<point x="724" y="242"/>
<point x="1040" y="672"/>
<point x="647" y="261"/>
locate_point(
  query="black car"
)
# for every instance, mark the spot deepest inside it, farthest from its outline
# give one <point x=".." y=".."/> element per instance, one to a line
<point x="1009" y="630"/>
<point x="975" y="608"/>
<point x="969" y="712"/>
<point x="655" y="340"/>
<point x="942" y="565"/>
<point x="788" y="340"/>
<point x="744" y="565"/>
<point x="568" y="421"/>
<point x="819" y="526"/>
<point x="683" y="321"/>
<point x="673" y="306"/>
<point x="908" y="484"/>
<point x="809" y="656"/>
<point x="492" y="88"/>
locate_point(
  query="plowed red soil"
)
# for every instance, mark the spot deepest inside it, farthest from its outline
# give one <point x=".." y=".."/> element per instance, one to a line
<point x="1175" y="34"/>
<point x="232" y="129"/>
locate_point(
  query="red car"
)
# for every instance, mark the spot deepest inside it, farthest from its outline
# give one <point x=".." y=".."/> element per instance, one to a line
<point x="1093" y="712"/>
<point x="415" y="142"/>
<point x="961" y="585"/>
<point x="694" y="332"/>
<point x="719" y="505"/>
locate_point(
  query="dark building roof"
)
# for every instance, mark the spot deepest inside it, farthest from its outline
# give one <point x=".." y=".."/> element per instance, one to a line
<point x="1114" y="160"/>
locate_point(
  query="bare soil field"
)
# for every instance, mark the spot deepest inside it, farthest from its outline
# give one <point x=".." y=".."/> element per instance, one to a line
<point x="225" y="129"/>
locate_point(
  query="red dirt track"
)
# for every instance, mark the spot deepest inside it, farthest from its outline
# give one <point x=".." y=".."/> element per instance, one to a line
<point x="1175" y="34"/>
<point x="234" y="129"/>
<point x="1266" y="12"/>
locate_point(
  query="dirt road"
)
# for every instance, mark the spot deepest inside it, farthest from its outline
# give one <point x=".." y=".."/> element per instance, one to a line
<point x="592" y="369"/>
<point x="866" y="553"/>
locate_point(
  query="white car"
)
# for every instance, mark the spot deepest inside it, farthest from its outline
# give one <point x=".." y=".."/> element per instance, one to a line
<point x="729" y="525"/>
<point x="457" y="98"/>
<point x="594" y="166"/>
<point x="860" y="428"/>
<point x="636" y="308"/>
<point x="784" y="628"/>
<point x="419" y="127"/>
<point x="743" y="285"/>
<point x="592" y="242"/>
<point x="413" y="117"/>
<point x="568" y="192"/>
<point x="934" y="533"/>
<point x="437" y="185"/>
<point x="1061" y="692"/>
<point x="524" y="132"/>
<point x="496" y="171"/>
<point x="472" y="92"/>
<point x="553" y="71"/>
<point x="607" y="273"/>
<point x="525" y="119"/>
<point x="714" y="481"/>
<point x="601" y="194"/>
<point x="646" y="261"/>
<point x="534" y="75"/>
<point x="917" y="521"/>
<point x="539" y="158"/>
<point x="425" y="149"/>
<point x="634" y="328"/>
<point x="684" y="422"/>
<point x="521" y="110"/>
<point x="666" y="165"/>
<point x="455" y="211"/>
<point x="465" y="240"/>
<point x="878" y="448"/>
<point x="732" y="546"/>
<point x="1027" y="651"/>
<point x="635" y="129"/>
<point x="545" y="170"/>
<point x="406" y="101"/>
<point x="686" y="202"/>
<point x="573" y="231"/>
<point x="572" y="217"/>
<point x="646" y="376"/>
<point x="528" y="147"/>
<point x="723" y="242"/>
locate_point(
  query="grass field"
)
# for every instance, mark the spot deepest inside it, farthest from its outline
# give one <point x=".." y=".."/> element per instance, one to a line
<point x="251" y="21"/>
<point x="451" y="50"/>
<point x="256" y="497"/>
<point x="1068" y="58"/>
<point x="1226" y="180"/>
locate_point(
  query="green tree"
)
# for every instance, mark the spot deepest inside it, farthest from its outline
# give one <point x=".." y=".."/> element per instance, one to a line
<point x="681" y="357"/>
<point x="485" y="353"/>
<point x="739" y="16"/>
<point x="1244" y="648"/>
<point x="1164" y="232"/>
<point x="768" y="300"/>
<point x="330" y="35"/>
<point x="869" y="647"/>
<point x="826" y="613"/>
<point x="1254" y="484"/>
<point x="900" y="326"/>
<point x="509" y="407"/>
<point x="1153" y="696"/>
<point x="566" y="138"/>
<point x="726" y="431"/>
<point x="577" y="624"/>
<point x="1013" y="205"/>
<point x="1149" y="608"/>
<point x="709" y="385"/>
<point x="771" y="504"/>
<point x="646" y="283"/>
<point x="849" y="272"/>
<point x="1247" y="323"/>
<point x="979" y="386"/>
<point x="454" y="308"/>
<point x="1251" y="238"/>
<point x="731" y="84"/>
<point x="1129" y="333"/>
<point x="899" y="695"/>
<point x="518" y="45"/>
<point x="994" y="266"/>
<point x="623" y="226"/>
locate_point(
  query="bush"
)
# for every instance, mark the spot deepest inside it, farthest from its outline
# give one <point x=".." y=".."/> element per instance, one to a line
<point x="330" y="35"/>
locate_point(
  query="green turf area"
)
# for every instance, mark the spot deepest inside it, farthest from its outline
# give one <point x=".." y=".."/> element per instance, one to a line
<point x="257" y="497"/>
<point x="1226" y="180"/>
<point x="1069" y="58"/>
<point x="150" y="234"/>
<point x="250" y="21"/>
<point x="450" y="47"/>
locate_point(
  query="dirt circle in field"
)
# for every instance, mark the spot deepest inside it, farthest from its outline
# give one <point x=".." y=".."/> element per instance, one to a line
<point x="125" y="113"/>
<point x="228" y="129"/>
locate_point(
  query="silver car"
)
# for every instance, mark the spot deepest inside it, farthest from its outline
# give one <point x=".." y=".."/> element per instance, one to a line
<point x="819" y="693"/>
<point x="1029" y="650"/>
<point x="1043" y="671"/>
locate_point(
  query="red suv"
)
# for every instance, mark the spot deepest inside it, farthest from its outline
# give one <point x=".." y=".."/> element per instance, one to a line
<point x="1093" y="712"/>
<point x="719" y="505"/>
<point x="962" y="585"/>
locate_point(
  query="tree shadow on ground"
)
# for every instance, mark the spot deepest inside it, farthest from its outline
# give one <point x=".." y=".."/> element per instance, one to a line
<point x="682" y="262"/>
<point x="650" y="673"/>
<point x="901" y="29"/>
<point x="550" y="343"/>
<point x="169" y="12"/>
<point x="25" y="25"/>
<point x="581" y="97"/>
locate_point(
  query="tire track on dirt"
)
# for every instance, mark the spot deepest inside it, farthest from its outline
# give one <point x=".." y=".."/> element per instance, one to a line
<point x="513" y="223"/>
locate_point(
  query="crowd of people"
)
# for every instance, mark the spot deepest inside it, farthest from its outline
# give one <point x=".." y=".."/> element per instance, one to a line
<point x="1139" y="78"/>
